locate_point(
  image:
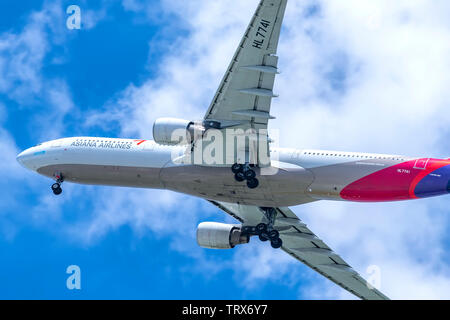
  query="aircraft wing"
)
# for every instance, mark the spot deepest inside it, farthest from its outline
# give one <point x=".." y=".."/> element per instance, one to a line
<point x="302" y="244"/>
<point x="245" y="93"/>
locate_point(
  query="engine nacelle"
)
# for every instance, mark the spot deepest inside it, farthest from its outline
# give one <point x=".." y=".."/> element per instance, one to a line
<point x="214" y="235"/>
<point x="172" y="131"/>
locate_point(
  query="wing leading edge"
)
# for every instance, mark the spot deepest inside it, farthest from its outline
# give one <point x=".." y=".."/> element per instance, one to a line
<point x="302" y="244"/>
<point x="246" y="90"/>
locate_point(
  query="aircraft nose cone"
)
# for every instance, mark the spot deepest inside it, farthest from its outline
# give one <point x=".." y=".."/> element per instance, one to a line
<point x="24" y="157"/>
<point x="20" y="157"/>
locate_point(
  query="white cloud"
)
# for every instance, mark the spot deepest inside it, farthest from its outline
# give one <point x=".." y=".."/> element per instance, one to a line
<point x="22" y="60"/>
<point x="395" y="78"/>
<point x="11" y="173"/>
<point x="91" y="18"/>
<point x="179" y="88"/>
<point x="24" y="85"/>
<point x="360" y="75"/>
<point x="9" y="168"/>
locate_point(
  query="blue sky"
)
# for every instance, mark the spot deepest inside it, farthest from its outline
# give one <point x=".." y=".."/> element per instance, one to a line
<point x="133" y="61"/>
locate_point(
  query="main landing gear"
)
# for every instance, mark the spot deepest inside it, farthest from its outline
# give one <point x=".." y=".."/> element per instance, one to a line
<point x="244" y="172"/>
<point x="266" y="231"/>
<point x="56" y="187"/>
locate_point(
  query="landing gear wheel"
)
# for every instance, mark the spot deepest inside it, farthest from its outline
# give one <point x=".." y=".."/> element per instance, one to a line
<point x="237" y="168"/>
<point x="239" y="177"/>
<point x="252" y="183"/>
<point x="276" y="243"/>
<point x="249" y="174"/>
<point x="262" y="237"/>
<point x="261" y="228"/>
<point x="56" y="188"/>
<point x="274" y="234"/>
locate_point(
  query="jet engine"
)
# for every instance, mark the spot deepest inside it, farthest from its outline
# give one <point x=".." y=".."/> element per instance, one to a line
<point x="172" y="131"/>
<point x="213" y="235"/>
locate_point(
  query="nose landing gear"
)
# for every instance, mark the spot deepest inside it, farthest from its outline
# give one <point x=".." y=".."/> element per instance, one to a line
<point x="56" y="187"/>
<point x="244" y="172"/>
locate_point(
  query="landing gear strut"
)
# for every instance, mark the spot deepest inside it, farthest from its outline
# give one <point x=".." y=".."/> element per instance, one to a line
<point x="244" y="172"/>
<point x="56" y="187"/>
<point x="265" y="231"/>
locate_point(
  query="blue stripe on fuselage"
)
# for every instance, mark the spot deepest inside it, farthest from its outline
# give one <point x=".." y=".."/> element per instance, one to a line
<point x="434" y="184"/>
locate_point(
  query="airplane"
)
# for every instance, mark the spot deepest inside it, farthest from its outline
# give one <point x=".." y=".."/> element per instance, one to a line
<point x="227" y="159"/>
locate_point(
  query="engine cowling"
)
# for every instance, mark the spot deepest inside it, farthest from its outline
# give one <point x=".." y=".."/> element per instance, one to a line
<point x="173" y="131"/>
<point x="214" y="235"/>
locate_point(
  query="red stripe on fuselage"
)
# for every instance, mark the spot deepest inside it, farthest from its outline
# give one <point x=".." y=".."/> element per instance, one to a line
<point x="139" y="141"/>
<point x="390" y="184"/>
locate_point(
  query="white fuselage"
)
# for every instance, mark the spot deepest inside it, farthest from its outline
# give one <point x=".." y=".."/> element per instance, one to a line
<point x="300" y="175"/>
